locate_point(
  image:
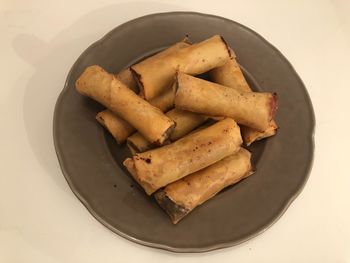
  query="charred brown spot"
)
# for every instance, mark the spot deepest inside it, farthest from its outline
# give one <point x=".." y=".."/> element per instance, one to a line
<point x="147" y="160"/>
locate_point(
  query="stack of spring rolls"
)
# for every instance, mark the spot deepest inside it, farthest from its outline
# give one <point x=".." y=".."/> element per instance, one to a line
<point x="185" y="133"/>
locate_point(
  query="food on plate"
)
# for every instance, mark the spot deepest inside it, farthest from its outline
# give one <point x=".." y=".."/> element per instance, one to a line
<point x="230" y="75"/>
<point x="182" y="130"/>
<point x="181" y="197"/>
<point x="155" y="75"/>
<point x="119" y="128"/>
<point x="253" y="109"/>
<point x="105" y="88"/>
<point x="157" y="168"/>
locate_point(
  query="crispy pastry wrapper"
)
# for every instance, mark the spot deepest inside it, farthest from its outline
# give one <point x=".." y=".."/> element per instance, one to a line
<point x="230" y="75"/>
<point x="117" y="97"/>
<point x="185" y="122"/>
<point x="137" y="143"/>
<point x="181" y="197"/>
<point x="156" y="168"/>
<point x="154" y="75"/>
<point x="119" y="128"/>
<point x="151" y="64"/>
<point x="252" y="109"/>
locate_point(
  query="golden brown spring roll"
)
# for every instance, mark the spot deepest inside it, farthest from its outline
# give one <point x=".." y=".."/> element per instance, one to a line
<point x="138" y="144"/>
<point x="127" y="78"/>
<point x="156" y="168"/>
<point x="230" y="75"/>
<point x="185" y="122"/>
<point x="154" y="75"/>
<point x="252" y="109"/>
<point x="251" y="135"/>
<point x="181" y="197"/>
<point x="119" y="128"/>
<point x="112" y="93"/>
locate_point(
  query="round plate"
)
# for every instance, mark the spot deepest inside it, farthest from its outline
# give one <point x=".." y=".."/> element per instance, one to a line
<point x="91" y="160"/>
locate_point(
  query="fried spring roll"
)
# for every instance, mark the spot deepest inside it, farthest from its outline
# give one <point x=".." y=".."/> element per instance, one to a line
<point x="251" y="135"/>
<point x="112" y="93"/>
<point x="119" y="128"/>
<point x="252" y="109"/>
<point x="230" y="75"/>
<point x="154" y="75"/>
<point x="156" y="168"/>
<point x="185" y="122"/>
<point x="181" y="197"/>
<point x="127" y="78"/>
<point x="164" y="101"/>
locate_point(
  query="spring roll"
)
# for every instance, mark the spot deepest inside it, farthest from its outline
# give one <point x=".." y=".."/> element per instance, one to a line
<point x="230" y="75"/>
<point x="251" y="135"/>
<point x="154" y="75"/>
<point x="156" y="168"/>
<point x="119" y="128"/>
<point x="185" y="122"/>
<point x="181" y="197"/>
<point x="252" y="109"/>
<point x="113" y="94"/>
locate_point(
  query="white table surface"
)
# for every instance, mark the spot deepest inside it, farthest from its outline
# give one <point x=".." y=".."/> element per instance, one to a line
<point x="40" y="218"/>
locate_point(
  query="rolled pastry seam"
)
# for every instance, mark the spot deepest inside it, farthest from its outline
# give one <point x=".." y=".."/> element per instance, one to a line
<point x="156" y="168"/>
<point x="181" y="197"/>
<point x="185" y="122"/>
<point x="127" y="78"/>
<point x="252" y="109"/>
<point x="230" y="75"/>
<point x="154" y="75"/>
<point x="117" y="97"/>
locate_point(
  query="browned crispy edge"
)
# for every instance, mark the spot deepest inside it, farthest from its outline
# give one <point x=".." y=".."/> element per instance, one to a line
<point x="175" y="211"/>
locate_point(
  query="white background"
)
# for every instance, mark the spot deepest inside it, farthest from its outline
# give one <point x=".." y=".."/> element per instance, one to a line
<point x="40" y="218"/>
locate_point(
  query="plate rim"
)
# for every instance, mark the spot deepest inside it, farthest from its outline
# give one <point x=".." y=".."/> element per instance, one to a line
<point x="159" y="245"/>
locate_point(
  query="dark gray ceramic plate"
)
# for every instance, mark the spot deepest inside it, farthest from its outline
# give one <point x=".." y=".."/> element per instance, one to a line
<point x="91" y="161"/>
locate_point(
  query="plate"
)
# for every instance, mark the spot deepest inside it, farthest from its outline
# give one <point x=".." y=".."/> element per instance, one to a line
<point x="91" y="160"/>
